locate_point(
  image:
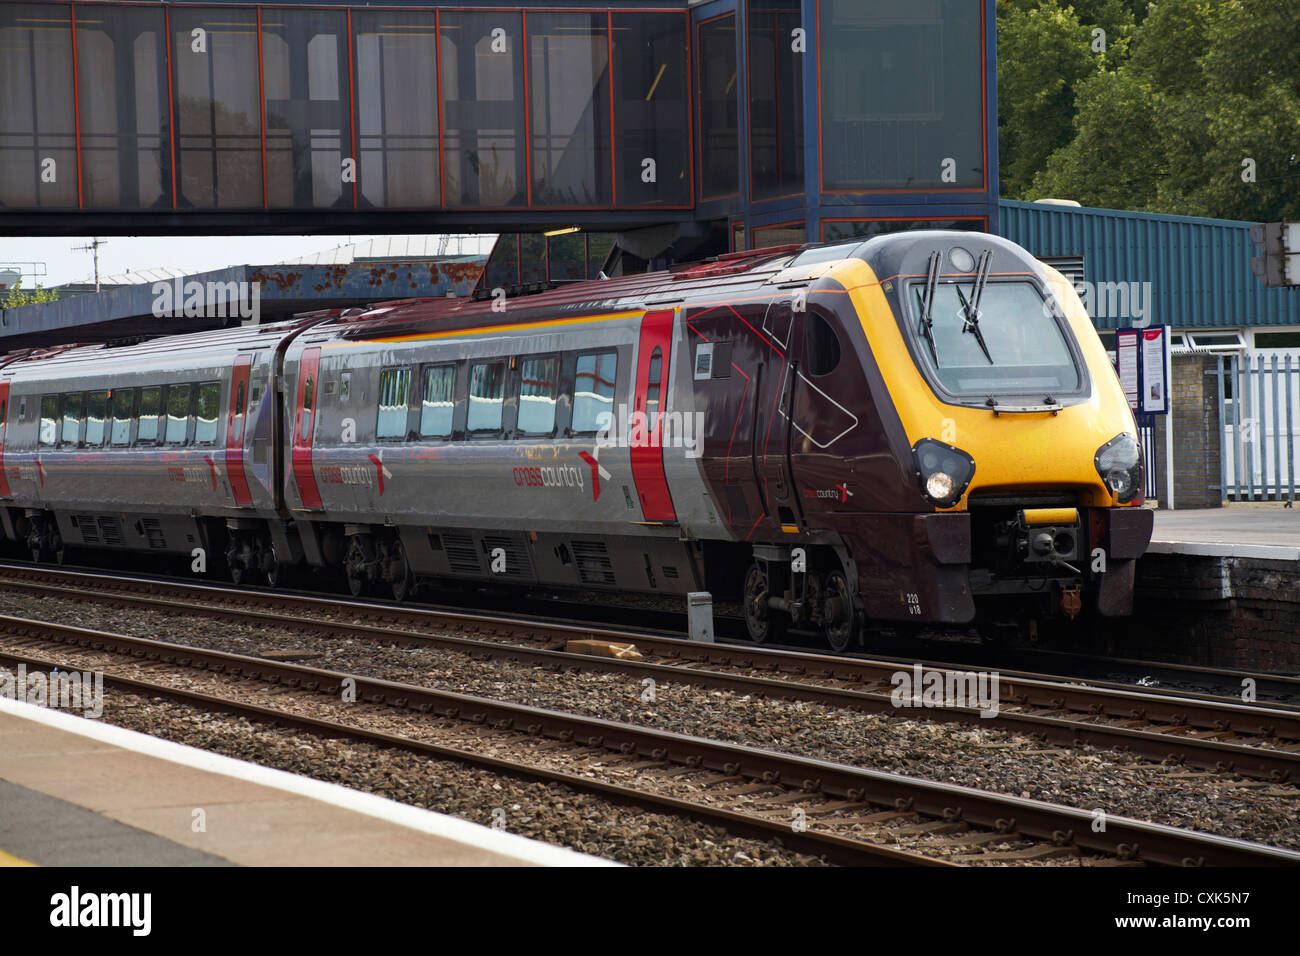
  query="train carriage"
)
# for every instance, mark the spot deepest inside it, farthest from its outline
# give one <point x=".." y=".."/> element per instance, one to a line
<point x="920" y="427"/>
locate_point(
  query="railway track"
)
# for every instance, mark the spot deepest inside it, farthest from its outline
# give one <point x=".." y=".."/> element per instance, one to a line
<point x="1202" y="732"/>
<point x="852" y="814"/>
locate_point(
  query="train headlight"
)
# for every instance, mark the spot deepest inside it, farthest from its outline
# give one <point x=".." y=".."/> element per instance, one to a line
<point x="1119" y="462"/>
<point x="944" y="472"/>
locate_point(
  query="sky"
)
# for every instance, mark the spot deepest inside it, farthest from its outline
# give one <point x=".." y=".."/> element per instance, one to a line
<point x="191" y="253"/>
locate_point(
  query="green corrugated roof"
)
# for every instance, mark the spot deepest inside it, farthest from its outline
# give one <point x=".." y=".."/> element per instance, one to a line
<point x="1199" y="269"/>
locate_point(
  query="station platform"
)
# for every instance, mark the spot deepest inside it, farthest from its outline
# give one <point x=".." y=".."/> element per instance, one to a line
<point x="77" y="792"/>
<point x="1245" y="529"/>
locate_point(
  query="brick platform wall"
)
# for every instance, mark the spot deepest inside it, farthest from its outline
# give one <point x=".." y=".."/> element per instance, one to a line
<point x="1195" y="413"/>
<point x="1214" y="611"/>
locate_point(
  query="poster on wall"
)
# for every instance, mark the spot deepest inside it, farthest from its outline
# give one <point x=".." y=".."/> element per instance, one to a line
<point x="1126" y="364"/>
<point x="1142" y="363"/>
<point x="1155" y="358"/>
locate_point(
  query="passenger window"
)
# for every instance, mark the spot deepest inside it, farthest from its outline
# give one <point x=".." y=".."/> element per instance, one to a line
<point x="487" y="386"/>
<point x="205" y="431"/>
<point x="537" y="387"/>
<point x="593" y="390"/>
<point x="96" y="415"/>
<point x="150" y="410"/>
<point x="180" y="406"/>
<point x="308" y="400"/>
<point x="49" y="419"/>
<point x="438" y="403"/>
<point x="652" y="387"/>
<point x="394" y="391"/>
<point x="238" y="430"/>
<point x="823" y="346"/>
<point x="123" y="407"/>
<point x="71" y="419"/>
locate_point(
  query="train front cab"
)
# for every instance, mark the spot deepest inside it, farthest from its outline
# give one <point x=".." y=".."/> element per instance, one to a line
<point x="1020" y="442"/>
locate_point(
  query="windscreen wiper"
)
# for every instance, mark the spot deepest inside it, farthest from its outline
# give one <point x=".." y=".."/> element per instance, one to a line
<point x="927" y="321"/>
<point x="972" y="323"/>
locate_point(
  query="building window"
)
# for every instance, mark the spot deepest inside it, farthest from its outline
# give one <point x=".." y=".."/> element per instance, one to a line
<point x="482" y="118"/>
<point x="122" y="87"/>
<point x="568" y="81"/>
<point x="308" y="107"/>
<point x="650" y="110"/>
<point x="718" y="96"/>
<point x="218" y="109"/>
<point x="397" y="109"/>
<point x="37" y="122"/>
<point x="901" y="95"/>
<point x="776" y="127"/>
<point x="834" y="229"/>
<point x="765" y="236"/>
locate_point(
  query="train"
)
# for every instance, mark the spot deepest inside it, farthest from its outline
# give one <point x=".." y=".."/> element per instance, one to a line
<point x="919" y="428"/>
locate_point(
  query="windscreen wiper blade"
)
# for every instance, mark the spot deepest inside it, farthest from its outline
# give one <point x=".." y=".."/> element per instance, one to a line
<point x="972" y="324"/>
<point x="927" y="321"/>
<point x="981" y="277"/>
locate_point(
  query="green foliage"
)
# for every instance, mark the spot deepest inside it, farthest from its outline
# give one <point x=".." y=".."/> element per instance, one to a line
<point x="1045" y="51"/>
<point x="14" y="296"/>
<point x="1202" y="85"/>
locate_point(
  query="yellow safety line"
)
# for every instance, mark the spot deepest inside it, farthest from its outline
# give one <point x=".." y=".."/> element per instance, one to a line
<point x="7" y="859"/>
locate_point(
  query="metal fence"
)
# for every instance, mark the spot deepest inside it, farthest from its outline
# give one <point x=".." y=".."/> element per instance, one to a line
<point x="1259" y="407"/>
<point x="1150" y="456"/>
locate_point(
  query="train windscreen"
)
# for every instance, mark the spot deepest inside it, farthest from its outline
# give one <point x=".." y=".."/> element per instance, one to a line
<point x="1006" y="341"/>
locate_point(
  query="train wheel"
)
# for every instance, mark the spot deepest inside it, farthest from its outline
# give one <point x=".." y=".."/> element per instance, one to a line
<point x="400" y="573"/>
<point x="277" y="572"/>
<point x="354" y="567"/>
<point x="839" y="612"/>
<point x="763" y="625"/>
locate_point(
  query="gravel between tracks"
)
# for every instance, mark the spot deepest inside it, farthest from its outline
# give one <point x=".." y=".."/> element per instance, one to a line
<point x="988" y="759"/>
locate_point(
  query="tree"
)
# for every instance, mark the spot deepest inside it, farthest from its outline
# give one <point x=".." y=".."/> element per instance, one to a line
<point x="15" y="296"/>
<point x="1202" y="119"/>
<point x="1045" y="51"/>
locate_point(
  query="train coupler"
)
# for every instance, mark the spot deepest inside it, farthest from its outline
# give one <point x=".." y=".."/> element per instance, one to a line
<point x="1071" y="601"/>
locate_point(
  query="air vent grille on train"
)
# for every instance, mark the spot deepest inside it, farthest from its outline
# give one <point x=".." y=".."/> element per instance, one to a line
<point x="594" y="566"/>
<point x="110" y="529"/>
<point x="86" y="525"/>
<point x="461" y="554"/>
<point x="518" y="562"/>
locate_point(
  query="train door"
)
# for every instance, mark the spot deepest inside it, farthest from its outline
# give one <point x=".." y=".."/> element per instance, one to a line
<point x="236" y="419"/>
<point x="646" y="447"/>
<point x="4" y="424"/>
<point x="782" y="327"/>
<point x="304" y="422"/>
